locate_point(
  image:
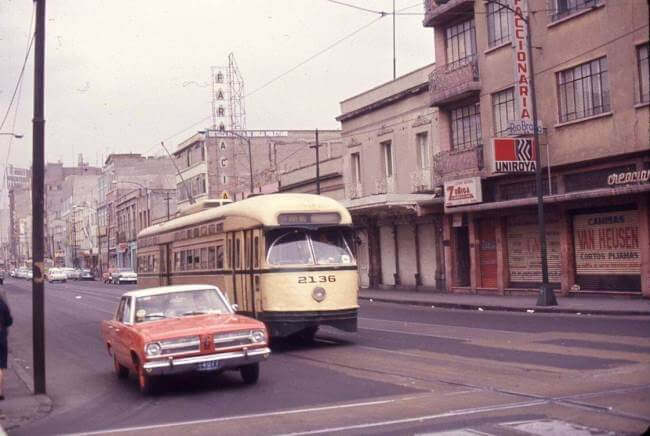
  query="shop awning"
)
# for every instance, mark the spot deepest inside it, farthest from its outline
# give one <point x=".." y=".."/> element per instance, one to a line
<point x="393" y="202"/>
<point x="550" y="199"/>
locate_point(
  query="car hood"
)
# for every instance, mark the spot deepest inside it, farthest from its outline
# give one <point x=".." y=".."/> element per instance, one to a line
<point x="194" y="326"/>
<point x="127" y="274"/>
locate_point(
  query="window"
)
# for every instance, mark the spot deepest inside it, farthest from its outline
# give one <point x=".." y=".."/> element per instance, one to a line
<point x="219" y="256"/>
<point x="466" y="127"/>
<point x="498" y="21"/>
<point x="564" y="8"/>
<point x="256" y="252"/>
<point x="503" y="110"/>
<point x="583" y="90"/>
<point x="204" y="258"/>
<point x="644" y="75"/>
<point x="237" y="253"/>
<point x="422" y="144"/>
<point x="177" y="262"/>
<point x="355" y="163"/>
<point x="461" y="44"/>
<point x="387" y="158"/>
<point x="211" y="257"/>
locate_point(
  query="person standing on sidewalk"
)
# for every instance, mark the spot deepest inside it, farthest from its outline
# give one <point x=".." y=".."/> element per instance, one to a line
<point x="5" y="321"/>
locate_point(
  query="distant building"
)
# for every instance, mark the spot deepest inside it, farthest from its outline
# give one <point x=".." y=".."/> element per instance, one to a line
<point x="134" y="192"/>
<point x="215" y="163"/>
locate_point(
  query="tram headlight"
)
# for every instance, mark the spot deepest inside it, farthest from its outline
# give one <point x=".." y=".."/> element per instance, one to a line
<point x="319" y="294"/>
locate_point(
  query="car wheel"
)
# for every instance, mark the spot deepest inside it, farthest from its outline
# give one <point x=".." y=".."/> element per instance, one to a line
<point x="145" y="381"/>
<point x="120" y="371"/>
<point x="250" y="373"/>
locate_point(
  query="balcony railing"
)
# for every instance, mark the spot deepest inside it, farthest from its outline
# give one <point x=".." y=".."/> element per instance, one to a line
<point x="421" y="180"/>
<point x="436" y="14"/>
<point x="354" y="190"/>
<point x="454" y="163"/>
<point x="453" y="82"/>
<point x="385" y="185"/>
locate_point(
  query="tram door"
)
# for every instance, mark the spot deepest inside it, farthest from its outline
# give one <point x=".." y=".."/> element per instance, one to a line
<point x="256" y="254"/>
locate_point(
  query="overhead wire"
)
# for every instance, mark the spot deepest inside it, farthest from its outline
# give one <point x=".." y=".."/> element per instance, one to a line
<point x="278" y="77"/>
<point x="18" y="88"/>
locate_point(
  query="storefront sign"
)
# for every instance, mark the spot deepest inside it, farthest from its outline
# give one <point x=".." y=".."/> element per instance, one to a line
<point x="514" y="155"/>
<point x="629" y="177"/>
<point x="524" y="127"/>
<point x="464" y="191"/>
<point x="607" y="243"/>
<point x="524" y="253"/>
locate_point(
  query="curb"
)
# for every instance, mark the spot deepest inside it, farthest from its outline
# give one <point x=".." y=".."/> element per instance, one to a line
<point x="466" y="306"/>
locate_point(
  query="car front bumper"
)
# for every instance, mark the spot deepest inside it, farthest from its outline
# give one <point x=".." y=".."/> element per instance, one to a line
<point x="230" y="360"/>
<point x="127" y="279"/>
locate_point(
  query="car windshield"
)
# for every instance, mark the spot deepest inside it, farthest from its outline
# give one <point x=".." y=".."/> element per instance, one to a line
<point x="124" y="270"/>
<point x="177" y="304"/>
<point x="308" y="247"/>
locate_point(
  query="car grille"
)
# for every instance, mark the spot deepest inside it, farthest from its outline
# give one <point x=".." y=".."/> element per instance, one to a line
<point x="234" y="339"/>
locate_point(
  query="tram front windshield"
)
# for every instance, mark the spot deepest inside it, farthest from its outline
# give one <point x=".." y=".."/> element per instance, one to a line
<point x="294" y="246"/>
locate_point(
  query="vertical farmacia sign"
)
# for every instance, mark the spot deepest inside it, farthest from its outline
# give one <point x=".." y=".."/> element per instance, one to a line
<point x="522" y="66"/>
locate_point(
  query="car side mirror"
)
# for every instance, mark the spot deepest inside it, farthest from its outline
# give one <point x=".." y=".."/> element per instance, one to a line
<point x="235" y="307"/>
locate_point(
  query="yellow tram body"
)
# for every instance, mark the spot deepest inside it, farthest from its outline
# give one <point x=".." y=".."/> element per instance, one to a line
<point x="285" y="259"/>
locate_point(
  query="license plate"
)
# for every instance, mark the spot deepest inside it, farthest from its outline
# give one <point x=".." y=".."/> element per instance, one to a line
<point x="208" y="366"/>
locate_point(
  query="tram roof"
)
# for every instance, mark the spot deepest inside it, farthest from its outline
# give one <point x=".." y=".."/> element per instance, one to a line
<point x="264" y="209"/>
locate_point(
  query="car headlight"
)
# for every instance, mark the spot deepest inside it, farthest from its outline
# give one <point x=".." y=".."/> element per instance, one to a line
<point x="153" y="349"/>
<point x="258" y="336"/>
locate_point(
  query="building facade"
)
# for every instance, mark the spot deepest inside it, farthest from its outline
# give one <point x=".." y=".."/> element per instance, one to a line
<point x="134" y="191"/>
<point x="389" y="134"/>
<point x="217" y="164"/>
<point x="591" y="84"/>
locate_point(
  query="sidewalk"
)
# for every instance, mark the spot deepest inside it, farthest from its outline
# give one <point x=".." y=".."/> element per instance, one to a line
<point x="20" y="405"/>
<point x="592" y="305"/>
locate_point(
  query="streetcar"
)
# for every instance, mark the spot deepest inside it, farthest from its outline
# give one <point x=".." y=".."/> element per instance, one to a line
<point x="285" y="259"/>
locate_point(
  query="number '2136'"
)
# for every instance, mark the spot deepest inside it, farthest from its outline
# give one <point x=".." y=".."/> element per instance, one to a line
<point x="316" y="279"/>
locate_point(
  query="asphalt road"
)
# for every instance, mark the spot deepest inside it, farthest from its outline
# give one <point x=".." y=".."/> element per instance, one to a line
<point x="409" y="370"/>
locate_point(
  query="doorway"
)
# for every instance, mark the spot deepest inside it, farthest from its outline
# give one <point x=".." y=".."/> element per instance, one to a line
<point x="461" y="238"/>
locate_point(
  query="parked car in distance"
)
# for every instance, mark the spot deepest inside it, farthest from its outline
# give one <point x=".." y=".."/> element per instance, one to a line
<point x="30" y="274"/>
<point x="56" y="275"/>
<point x="21" y="272"/>
<point x="86" y="274"/>
<point x="180" y="329"/>
<point x="71" y="273"/>
<point x="117" y="276"/>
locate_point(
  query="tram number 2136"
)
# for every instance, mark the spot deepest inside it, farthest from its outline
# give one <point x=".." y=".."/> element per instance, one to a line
<point x="316" y="279"/>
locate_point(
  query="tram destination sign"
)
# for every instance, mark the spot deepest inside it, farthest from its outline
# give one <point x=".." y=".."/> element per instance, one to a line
<point x="514" y="155"/>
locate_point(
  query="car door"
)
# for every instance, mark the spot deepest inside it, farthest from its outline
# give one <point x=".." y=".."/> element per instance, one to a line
<point x="120" y="331"/>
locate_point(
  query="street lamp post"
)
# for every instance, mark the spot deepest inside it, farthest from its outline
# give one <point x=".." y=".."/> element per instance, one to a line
<point x="15" y="135"/>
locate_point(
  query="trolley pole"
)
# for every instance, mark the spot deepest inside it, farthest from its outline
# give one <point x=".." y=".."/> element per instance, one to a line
<point x="38" y="190"/>
<point x="317" y="146"/>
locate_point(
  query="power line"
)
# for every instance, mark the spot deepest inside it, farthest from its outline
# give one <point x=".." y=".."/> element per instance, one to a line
<point x="278" y="77"/>
<point x="19" y="88"/>
<point x="329" y="47"/>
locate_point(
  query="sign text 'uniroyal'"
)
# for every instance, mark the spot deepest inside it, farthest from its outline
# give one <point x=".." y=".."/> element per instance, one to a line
<point x="514" y="155"/>
<point x="642" y="176"/>
<point x="465" y="191"/>
<point x="522" y="73"/>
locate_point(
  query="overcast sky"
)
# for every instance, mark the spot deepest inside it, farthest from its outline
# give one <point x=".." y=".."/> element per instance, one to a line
<point x="123" y="75"/>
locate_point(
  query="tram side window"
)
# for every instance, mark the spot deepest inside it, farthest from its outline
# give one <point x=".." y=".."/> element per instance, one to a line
<point x="247" y="259"/>
<point x="219" y="256"/>
<point x="256" y="252"/>
<point x="204" y="258"/>
<point x="229" y="247"/>
<point x="197" y="258"/>
<point x="211" y="257"/>
<point x="237" y="253"/>
<point x="286" y="247"/>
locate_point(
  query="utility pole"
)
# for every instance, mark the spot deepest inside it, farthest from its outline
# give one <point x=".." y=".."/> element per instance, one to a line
<point x="38" y="191"/>
<point x="317" y="146"/>
<point x="394" y="50"/>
